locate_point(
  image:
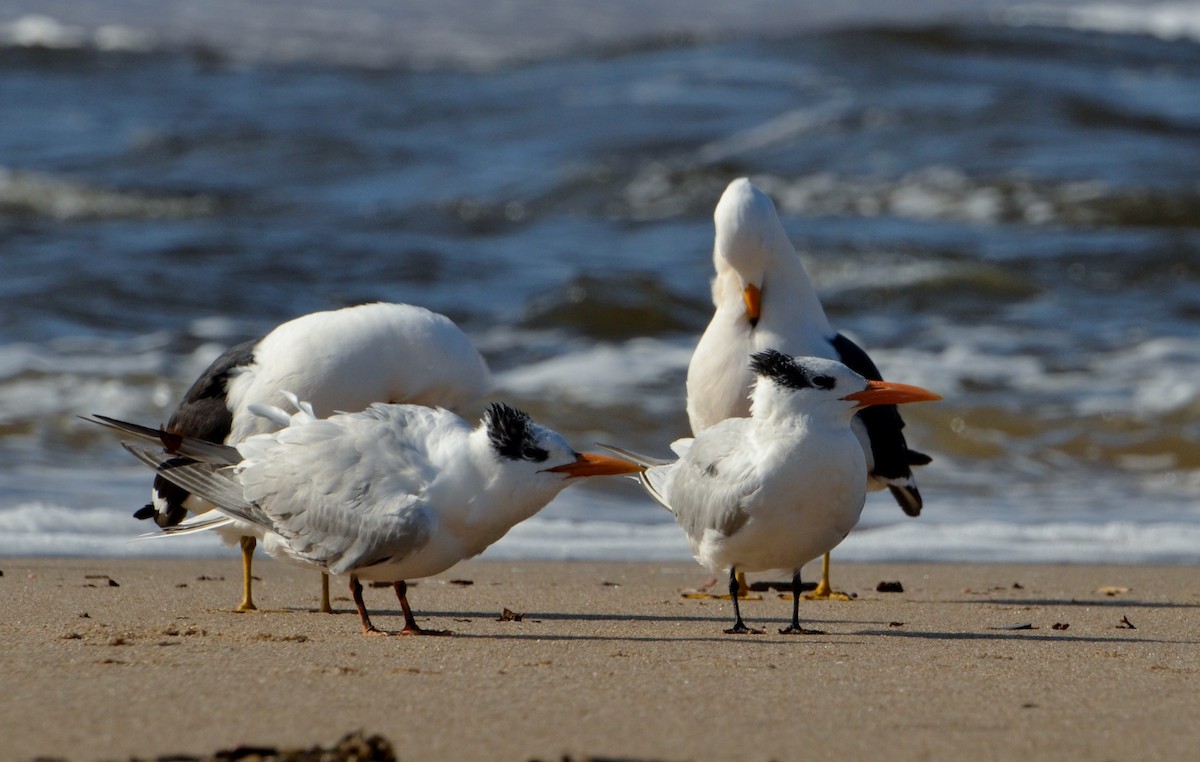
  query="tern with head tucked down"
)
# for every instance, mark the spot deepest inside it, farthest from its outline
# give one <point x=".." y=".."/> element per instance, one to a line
<point x="392" y="493"/>
<point x="782" y="487"/>
<point x="337" y="360"/>
<point x="764" y="299"/>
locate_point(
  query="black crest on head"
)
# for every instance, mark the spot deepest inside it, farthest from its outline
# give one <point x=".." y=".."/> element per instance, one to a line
<point x="511" y="433"/>
<point x="783" y="370"/>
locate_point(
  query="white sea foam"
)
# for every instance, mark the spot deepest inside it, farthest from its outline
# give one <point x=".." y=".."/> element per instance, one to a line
<point x="1148" y="378"/>
<point x="564" y="540"/>
<point x="1004" y="529"/>
<point x="1152" y="377"/>
<point x="35" y="30"/>
<point x="585" y="525"/>
<point x="67" y="376"/>
<point x="42" y="529"/>
<point x="461" y="33"/>
<point x="40" y="31"/>
<point x="61" y="198"/>
<point x="929" y="193"/>
<point x="788" y="127"/>
<point x="938" y="193"/>
<point x="603" y="373"/>
<point x="115" y="37"/>
<point x="1167" y="21"/>
<point x="41" y="384"/>
<point x="1119" y="542"/>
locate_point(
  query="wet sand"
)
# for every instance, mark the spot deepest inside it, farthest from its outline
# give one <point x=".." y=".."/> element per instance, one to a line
<point x="114" y="659"/>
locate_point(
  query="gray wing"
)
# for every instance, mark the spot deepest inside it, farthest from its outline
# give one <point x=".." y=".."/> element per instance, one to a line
<point x="347" y="492"/>
<point x="359" y="536"/>
<point x="215" y="483"/>
<point x="712" y="484"/>
<point x="173" y="443"/>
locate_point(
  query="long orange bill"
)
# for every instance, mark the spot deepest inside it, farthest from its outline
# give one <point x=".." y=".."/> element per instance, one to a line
<point x="591" y="464"/>
<point x="753" y="298"/>
<point x="888" y="393"/>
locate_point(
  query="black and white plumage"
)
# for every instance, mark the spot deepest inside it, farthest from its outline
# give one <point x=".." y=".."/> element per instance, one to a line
<point x="392" y="493"/>
<point x="764" y="299"/>
<point x="337" y="360"/>
<point x="783" y="486"/>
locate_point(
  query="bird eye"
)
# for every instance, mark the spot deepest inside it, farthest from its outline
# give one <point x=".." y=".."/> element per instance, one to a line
<point x="536" y="454"/>
<point x="824" y="382"/>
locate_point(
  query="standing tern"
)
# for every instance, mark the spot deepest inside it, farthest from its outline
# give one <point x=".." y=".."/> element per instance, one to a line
<point x="782" y="487"/>
<point x="392" y="493"/>
<point x="338" y="360"/>
<point x="764" y="299"/>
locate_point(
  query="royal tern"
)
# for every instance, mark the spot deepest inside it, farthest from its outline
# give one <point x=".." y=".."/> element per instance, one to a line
<point x="392" y="493"/>
<point x="338" y="360"/>
<point x="787" y="484"/>
<point x="764" y="299"/>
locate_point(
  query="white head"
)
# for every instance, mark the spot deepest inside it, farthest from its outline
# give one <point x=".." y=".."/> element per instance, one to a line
<point x="791" y="386"/>
<point x="747" y="229"/>
<point x="749" y="241"/>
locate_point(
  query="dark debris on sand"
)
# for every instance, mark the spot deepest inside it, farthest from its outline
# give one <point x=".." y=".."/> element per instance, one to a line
<point x="353" y="747"/>
<point x="569" y="758"/>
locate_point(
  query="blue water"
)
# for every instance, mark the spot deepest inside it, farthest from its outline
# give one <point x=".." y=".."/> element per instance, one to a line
<point x="1002" y="204"/>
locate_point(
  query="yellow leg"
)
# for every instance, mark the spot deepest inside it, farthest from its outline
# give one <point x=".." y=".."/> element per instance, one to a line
<point x="247" y="603"/>
<point x="744" y="592"/>
<point x="825" y="590"/>
<point x="325" y="607"/>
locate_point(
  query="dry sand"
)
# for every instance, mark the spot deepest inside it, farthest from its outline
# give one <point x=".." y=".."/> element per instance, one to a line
<point x="606" y="661"/>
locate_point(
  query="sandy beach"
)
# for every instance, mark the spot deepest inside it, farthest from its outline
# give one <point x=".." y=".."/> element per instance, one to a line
<point x="115" y="659"/>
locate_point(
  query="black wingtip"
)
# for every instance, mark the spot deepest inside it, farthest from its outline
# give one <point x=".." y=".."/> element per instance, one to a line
<point x="170" y="440"/>
<point x="918" y="458"/>
<point x="908" y="497"/>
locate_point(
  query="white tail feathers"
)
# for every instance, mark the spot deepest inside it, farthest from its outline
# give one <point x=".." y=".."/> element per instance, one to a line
<point x="199" y="523"/>
<point x="280" y="417"/>
<point x="655" y="471"/>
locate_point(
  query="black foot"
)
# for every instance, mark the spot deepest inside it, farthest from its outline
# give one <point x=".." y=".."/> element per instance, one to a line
<point x="741" y="629"/>
<point x="414" y="630"/>
<point x="795" y="630"/>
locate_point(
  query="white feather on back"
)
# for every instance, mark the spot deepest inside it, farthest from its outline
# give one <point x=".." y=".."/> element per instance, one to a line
<point x="344" y="360"/>
<point x="751" y="248"/>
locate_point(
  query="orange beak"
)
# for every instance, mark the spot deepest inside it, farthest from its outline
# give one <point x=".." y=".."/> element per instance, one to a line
<point x="888" y="393"/>
<point x="752" y="295"/>
<point x="591" y="464"/>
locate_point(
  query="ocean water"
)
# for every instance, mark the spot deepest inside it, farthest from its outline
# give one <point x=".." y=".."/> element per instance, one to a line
<point x="1001" y="204"/>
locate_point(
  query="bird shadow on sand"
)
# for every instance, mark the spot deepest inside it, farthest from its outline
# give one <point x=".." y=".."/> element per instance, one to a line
<point x="483" y="616"/>
<point x="452" y="620"/>
<point x="770" y="629"/>
<point x="539" y="616"/>
<point x="446" y="618"/>
<point x="717" y="618"/>
<point x="1021" y="635"/>
<point x="771" y="636"/>
<point x="1107" y="602"/>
